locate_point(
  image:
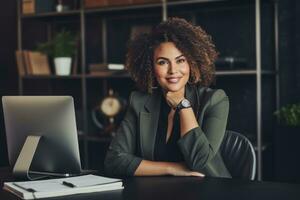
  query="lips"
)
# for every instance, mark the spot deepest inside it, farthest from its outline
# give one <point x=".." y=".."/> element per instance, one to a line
<point x="173" y="79"/>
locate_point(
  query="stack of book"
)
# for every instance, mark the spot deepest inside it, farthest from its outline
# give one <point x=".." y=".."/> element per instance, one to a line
<point x="62" y="186"/>
<point x="32" y="63"/>
<point x="106" y="69"/>
<point x="37" y="6"/>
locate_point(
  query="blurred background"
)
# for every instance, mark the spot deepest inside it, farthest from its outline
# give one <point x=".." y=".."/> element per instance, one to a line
<point x="78" y="47"/>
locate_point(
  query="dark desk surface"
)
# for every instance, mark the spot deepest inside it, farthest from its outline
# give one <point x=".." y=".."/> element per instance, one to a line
<point x="184" y="188"/>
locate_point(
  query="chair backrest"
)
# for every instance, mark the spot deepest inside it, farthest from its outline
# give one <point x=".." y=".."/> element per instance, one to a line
<point x="238" y="155"/>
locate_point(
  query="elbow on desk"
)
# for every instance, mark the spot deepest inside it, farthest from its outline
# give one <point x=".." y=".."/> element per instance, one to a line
<point x="200" y="161"/>
<point x="120" y="165"/>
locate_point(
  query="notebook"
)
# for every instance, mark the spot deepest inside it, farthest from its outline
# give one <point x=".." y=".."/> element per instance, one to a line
<point x="63" y="186"/>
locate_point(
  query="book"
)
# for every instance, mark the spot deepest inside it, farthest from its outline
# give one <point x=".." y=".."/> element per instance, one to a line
<point x="27" y="62"/>
<point x="106" y="66"/>
<point x="20" y="63"/>
<point x="62" y="186"/>
<point x="28" y="6"/>
<point x="39" y="64"/>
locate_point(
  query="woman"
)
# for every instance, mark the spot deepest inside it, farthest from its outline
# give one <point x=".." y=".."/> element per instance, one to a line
<point x="175" y="124"/>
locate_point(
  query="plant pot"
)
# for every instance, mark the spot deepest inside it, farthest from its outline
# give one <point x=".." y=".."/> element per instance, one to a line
<point x="62" y="66"/>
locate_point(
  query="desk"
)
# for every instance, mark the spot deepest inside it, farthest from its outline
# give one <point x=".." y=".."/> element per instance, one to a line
<point x="184" y="188"/>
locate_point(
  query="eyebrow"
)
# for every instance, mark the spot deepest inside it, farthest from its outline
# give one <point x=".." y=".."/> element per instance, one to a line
<point x="168" y="59"/>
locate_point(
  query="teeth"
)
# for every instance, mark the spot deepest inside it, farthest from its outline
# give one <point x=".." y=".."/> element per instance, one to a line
<point x="173" y="80"/>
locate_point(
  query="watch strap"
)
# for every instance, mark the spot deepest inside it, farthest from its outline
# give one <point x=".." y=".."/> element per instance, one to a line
<point x="183" y="104"/>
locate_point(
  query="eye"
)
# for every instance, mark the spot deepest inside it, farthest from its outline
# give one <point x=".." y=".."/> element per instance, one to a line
<point x="162" y="62"/>
<point x="180" y="61"/>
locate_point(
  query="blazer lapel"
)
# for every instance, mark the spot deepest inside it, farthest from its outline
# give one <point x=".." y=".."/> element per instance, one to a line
<point x="148" y="125"/>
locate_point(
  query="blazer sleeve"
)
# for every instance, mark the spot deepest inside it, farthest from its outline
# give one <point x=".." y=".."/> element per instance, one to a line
<point x="120" y="160"/>
<point x="200" y="145"/>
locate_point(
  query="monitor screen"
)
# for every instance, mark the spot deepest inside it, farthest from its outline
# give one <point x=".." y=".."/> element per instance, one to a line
<point x="53" y="118"/>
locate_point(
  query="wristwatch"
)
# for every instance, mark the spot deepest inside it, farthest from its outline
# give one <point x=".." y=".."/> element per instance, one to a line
<point x="183" y="104"/>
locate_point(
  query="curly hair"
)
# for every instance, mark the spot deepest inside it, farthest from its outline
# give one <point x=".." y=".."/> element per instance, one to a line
<point x="195" y="44"/>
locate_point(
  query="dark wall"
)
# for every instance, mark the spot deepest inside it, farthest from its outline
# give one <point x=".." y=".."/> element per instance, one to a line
<point x="286" y="139"/>
<point x="289" y="49"/>
<point x="297" y="43"/>
<point x="8" y="73"/>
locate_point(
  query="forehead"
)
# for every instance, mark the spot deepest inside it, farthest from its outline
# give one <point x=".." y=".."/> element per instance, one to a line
<point x="167" y="50"/>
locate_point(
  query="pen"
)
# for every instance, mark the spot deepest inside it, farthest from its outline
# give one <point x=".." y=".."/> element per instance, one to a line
<point x="68" y="184"/>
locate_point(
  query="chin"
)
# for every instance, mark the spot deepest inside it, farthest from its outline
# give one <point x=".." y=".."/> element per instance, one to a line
<point x="174" y="88"/>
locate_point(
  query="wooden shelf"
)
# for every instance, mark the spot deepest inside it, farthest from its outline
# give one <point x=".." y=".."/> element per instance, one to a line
<point x="112" y="74"/>
<point x="121" y="8"/>
<point x="175" y="3"/>
<point x="243" y="72"/>
<point x="144" y="6"/>
<point x="77" y="76"/>
<point x="124" y="74"/>
<point x="52" y="14"/>
<point x="115" y="8"/>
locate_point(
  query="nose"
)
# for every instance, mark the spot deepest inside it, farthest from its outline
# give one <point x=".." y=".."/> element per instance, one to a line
<point x="172" y="68"/>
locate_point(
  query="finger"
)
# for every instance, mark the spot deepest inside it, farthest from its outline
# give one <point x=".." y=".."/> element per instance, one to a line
<point x="196" y="174"/>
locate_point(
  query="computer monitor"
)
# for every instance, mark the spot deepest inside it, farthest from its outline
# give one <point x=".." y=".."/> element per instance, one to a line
<point x="52" y="118"/>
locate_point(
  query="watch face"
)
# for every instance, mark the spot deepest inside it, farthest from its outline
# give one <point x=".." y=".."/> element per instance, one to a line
<point x="110" y="106"/>
<point x="185" y="103"/>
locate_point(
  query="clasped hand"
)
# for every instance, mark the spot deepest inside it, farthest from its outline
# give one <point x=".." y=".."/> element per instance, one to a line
<point x="174" y="98"/>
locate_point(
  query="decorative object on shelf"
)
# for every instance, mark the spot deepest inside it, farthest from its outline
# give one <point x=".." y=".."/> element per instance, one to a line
<point x="63" y="65"/>
<point x="289" y="115"/>
<point x="59" y="6"/>
<point x="109" y="108"/>
<point x="230" y="62"/>
<point x="37" y="6"/>
<point x="62" y="47"/>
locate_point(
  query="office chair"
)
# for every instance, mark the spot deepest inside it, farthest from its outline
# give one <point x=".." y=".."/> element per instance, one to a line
<point x="238" y="155"/>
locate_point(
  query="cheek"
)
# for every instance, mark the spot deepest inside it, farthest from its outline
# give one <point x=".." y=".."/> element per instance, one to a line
<point x="185" y="70"/>
<point x="158" y="72"/>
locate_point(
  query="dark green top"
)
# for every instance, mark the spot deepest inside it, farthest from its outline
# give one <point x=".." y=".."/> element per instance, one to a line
<point x="135" y="138"/>
<point x="167" y="151"/>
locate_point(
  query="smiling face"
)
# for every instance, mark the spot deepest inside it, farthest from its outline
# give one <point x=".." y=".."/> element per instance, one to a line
<point x="171" y="68"/>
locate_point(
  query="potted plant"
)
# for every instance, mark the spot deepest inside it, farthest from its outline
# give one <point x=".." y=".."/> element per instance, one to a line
<point x="286" y="143"/>
<point x="61" y="48"/>
<point x="289" y="115"/>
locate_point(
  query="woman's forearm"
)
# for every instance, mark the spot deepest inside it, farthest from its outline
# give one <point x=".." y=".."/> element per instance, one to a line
<point x="188" y="120"/>
<point x="153" y="168"/>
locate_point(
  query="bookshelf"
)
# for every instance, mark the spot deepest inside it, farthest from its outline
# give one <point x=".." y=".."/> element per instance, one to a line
<point x="240" y="28"/>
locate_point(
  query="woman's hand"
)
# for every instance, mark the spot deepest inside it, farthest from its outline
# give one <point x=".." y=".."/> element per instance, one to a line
<point x="180" y="169"/>
<point x="174" y="98"/>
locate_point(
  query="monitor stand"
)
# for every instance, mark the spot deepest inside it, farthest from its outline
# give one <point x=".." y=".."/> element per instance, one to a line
<point x="22" y="166"/>
<point x="24" y="160"/>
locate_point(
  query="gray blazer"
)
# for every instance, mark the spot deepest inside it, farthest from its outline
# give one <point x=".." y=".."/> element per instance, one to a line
<point x="135" y="138"/>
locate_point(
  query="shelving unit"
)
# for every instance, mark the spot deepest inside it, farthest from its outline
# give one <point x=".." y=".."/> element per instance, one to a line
<point x="98" y="39"/>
